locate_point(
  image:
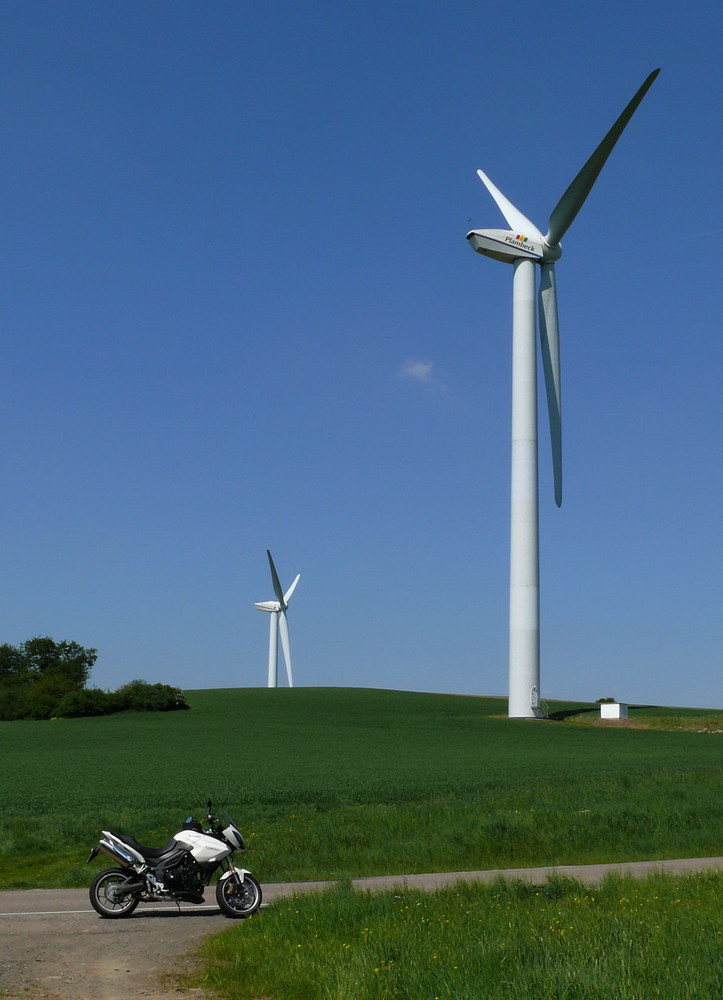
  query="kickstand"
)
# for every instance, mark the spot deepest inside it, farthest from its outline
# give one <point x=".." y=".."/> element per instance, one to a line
<point x="178" y="904"/>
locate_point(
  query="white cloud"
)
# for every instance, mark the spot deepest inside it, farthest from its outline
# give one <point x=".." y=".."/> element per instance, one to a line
<point x="423" y="372"/>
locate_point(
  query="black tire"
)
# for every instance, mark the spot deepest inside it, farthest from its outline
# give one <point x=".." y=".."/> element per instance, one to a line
<point x="238" y="899"/>
<point x="105" y="897"/>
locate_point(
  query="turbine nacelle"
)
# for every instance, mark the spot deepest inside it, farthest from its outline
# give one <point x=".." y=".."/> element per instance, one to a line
<point x="506" y="245"/>
<point x="270" y="606"/>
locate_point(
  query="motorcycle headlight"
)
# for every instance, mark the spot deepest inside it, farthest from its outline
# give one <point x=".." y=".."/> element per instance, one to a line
<point x="234" y="838"/>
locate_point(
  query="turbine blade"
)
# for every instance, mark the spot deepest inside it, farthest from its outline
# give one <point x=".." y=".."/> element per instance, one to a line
<point x="550" y="344"/>
<point x="284" y="633"/>
<point x="572" y="200"/>
<point x="515" y="219"/>
<point x="292" y="588"/>
<point x="275" y="580"/>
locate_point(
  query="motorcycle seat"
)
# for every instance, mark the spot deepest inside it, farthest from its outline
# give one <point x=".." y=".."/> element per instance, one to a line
<point x="152" y="853"/>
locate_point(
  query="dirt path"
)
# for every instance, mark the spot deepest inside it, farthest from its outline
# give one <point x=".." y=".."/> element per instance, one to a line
<point x="55" y="947"/>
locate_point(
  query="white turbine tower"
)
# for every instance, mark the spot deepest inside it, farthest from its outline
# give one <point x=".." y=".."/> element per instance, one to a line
<point x="524" y="246"/>
<point x="278" y="624"/>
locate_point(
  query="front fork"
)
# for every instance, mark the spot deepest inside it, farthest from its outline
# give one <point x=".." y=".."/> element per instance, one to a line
<point x="237" y="874"/>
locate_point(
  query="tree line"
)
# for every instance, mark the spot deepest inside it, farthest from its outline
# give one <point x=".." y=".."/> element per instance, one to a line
<point x="45" y="679"/>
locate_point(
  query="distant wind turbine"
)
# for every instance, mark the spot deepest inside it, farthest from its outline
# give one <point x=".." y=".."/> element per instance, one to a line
<point x="524" y="246"/>
<point x="278" y="624"/>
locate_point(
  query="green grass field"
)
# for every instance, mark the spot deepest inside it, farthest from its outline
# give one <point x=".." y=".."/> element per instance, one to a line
<point x="335" y="783"/>
<point x="627" y="940"/>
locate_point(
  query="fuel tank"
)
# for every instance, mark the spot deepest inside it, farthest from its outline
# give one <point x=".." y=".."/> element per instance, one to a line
<point x="204" y="849"/>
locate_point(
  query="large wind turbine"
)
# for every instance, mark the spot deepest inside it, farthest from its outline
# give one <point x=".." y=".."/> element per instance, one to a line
<point x="278" y="624"/>
<point x="524" y="246"/>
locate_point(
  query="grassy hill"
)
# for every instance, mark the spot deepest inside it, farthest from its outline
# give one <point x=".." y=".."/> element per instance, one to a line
<point x="336" y="782"/>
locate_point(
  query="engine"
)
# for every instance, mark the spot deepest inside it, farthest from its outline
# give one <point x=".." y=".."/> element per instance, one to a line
<point x="185" y="876"/>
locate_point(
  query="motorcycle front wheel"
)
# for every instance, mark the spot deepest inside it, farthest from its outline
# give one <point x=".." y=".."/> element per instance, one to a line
<point x="238" y="899"/>
<point x="107" y="897"/>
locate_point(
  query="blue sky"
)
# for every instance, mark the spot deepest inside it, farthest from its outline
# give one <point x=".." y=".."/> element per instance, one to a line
<point x="239" y="312"/>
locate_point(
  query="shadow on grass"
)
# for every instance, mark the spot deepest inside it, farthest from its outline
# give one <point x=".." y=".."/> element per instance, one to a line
<point x="569" y="713"/>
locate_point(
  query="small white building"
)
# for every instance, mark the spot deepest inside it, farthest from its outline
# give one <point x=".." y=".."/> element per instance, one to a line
<point x="613" y="710"/>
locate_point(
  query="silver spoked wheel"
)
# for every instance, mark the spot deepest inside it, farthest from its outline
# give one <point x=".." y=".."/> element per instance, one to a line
<point x="238" y="899"/>
<point x="107" y="896"/>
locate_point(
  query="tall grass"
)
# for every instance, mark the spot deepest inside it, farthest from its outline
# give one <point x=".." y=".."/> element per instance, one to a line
<point x="631" y="940"/>
<point x="334" y="783"/>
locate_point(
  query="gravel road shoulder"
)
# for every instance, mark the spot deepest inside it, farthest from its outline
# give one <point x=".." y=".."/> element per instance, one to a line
<point x="55" y="946"/>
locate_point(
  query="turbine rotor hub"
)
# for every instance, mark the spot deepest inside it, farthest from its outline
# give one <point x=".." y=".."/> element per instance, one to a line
<point x="551" y="254"/>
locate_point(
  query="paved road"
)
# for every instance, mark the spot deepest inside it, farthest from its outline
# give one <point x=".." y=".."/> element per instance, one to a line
<point x="54" y="945"/>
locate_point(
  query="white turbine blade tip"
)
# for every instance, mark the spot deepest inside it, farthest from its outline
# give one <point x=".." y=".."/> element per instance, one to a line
<point x="292" y="588"/>
<point x="515" y="219"/>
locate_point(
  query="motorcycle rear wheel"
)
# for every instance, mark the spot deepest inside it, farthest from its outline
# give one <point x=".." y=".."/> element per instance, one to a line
<point x="105" y="897"/>
<point x="238" y="899"/>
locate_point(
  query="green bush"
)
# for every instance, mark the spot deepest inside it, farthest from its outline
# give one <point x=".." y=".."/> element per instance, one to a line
<point x="135" y="696"/>
<point x="139" y="696"/>
<point x="89" y="701"/>
<point x="13" y="703"/>
<point x="44" y="679"/>
<point x="36" y="676"/>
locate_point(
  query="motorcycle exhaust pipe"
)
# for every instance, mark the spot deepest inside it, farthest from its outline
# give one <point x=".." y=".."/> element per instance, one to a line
<point x="117" y="851"/>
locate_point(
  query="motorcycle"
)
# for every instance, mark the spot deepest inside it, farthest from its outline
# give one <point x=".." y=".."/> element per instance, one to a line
<point x="178" y="872"/>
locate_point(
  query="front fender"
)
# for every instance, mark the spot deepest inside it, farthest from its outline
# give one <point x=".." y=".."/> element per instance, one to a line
<point x="241" y="872"/>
